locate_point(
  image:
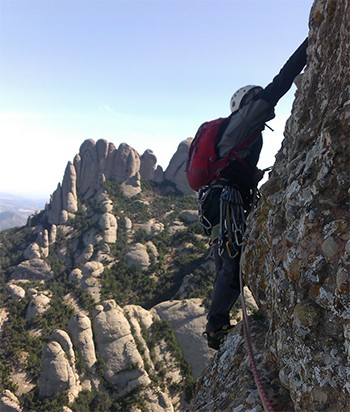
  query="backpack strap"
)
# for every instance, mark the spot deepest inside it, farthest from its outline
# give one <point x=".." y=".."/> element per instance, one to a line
<point x="233" y="155"/>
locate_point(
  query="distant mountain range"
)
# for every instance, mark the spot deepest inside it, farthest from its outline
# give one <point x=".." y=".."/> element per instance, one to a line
<point x="15" y="209"/>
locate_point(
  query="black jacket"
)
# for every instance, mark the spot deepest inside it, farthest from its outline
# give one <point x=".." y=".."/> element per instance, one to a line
<point x="250" y="120"/>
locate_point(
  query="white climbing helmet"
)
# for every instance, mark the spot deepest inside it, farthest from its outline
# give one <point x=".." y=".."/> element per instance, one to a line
<point x="237" y="97"/>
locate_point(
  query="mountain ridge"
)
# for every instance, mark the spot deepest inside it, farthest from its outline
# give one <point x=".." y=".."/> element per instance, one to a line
<point x="79" y="282"/>
<point x="15" y="209"/>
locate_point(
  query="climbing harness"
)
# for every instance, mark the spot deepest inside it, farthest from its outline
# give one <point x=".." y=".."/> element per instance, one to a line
<point x="231" y="225"/>
<point x="262" y="393"/>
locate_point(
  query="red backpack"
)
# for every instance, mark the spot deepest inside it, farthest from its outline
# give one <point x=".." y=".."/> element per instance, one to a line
<point x="203" y="164"/>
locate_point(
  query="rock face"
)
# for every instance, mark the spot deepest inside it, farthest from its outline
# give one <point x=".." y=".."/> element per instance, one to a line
<point x="188" y="318"/>
<point x="16" y="292"/>
<point x="58" y="368"/>
<point x="39" y="303"/>
<point x="296" y="261"/>
<point x="80" y="331"/>
<point x="34" y="269"/>
<point x="124" y="366"/>
<point x="92" y="244"/>
<point x="148" y="165"/>
<point x="88" y="278"/>
<point x="176" y="169"/>
<point x="306" y="211"/>
<point x="96" y="162"/>
<point x="96" y="237"/>
<point x="138" y="256"/>
<point x="9" y="402"/>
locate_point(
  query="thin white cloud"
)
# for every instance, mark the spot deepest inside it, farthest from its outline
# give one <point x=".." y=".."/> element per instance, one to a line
<point x="108" y="109"/>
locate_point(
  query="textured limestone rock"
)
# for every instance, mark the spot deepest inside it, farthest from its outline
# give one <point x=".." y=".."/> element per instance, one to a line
<point x="92" y="237"/>
<point x="228" y="385"/>
<point x="161" y="360"/>
<point x="39" y="304"/>
<point x="85" y="255"/>
<point x="103" y="254"/>
<point x="40" y="248"/>
<point x="152" y="251"/>
<point x="106" y="203"/>
<point x="4" y="313"/>
<point x="189" y="216"/>
<point x="58" y="372"/>
<point x="128" y="223"/>
<point x="296" y="259"/>
<point x="148" y="165"/>
<point x="54" y="208"/>
<point x="84" y="177"/>
<point x="34" y="269"/>
<point x="127" y="163"/>
<point x="108" y="224"/>
<point x="88" y="278"/>
<point x="175" y="172"/>
<point x="132" y="186"/>
<point x="69" y="189"/>
<point x="86" y="166"/>
<point x="9" y="402"/>
<point x="53" y="234"/>
<point x="123" y="364"/>
<point x="80" y="331"/>
<point x="157" y="401"/>
<point x="139" y="318"/>
<point x="63" y="217"/>
<point x="296" y="256"/>
<point x="176" y="225"/>
<point x="102" y="148"/>
<point x="17" y="293"/>
<point x="98" y="161"/>
<point x="32" y="251"/>
<point x="188" y="318"/>
<point x="158" y="175"/>
<point x="43" y="243"/>
<point x="64" y="340"/>
<point x="75" y="275"/>
<point x="151" y="227"/>
<point x="31" y="292"/>
<point x="137" y="255"/>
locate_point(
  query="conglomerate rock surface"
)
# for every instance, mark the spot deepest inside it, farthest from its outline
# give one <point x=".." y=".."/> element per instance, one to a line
<point x="296" y="259"/>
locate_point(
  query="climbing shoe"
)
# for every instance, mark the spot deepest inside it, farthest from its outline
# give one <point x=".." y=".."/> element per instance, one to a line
<point x="216" y="339"/>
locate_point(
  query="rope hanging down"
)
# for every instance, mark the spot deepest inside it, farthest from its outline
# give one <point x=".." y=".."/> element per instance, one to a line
<point x="262" y="393"/>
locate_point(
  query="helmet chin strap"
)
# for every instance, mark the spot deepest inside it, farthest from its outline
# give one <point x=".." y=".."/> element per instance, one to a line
<point x="272" y="130"/>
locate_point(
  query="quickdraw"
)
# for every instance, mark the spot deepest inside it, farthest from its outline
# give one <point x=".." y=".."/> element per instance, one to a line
<point x="232" y="221"/>
<point x="202" y="195"/>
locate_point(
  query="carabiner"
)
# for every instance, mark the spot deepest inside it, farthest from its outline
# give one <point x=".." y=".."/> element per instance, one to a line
<point x="229" y="251"/>
<point x="238" y="232"/>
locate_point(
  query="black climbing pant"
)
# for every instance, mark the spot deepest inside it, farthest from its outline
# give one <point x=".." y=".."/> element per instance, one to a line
<point x="226" y="289"/>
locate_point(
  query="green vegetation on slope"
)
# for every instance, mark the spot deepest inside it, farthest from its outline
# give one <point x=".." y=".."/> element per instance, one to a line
<point x="181" y="252"/>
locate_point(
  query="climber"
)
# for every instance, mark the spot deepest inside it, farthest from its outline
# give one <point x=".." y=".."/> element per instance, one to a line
<point x="226" y="197"/>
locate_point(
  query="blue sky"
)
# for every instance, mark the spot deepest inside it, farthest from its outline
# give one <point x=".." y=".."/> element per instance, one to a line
<point x="147" y="73"/>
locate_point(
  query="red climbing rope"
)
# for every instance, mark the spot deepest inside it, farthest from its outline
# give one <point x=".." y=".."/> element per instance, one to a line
<point x="262" y="393"/>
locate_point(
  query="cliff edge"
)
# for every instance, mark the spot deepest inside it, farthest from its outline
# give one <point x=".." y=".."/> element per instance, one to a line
<point x="296" y="258"/>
